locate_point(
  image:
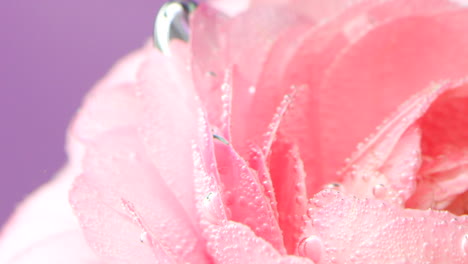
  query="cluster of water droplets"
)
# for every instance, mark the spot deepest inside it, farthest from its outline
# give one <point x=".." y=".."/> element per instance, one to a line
<point x="277" y="117"/>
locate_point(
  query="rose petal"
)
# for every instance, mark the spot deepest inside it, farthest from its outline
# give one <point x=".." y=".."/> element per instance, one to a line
<point x="231" y="42"/>
<point x="256" y="92"/>
<point x="322" y="10"/>
<point x="444" y="126"/>
<point x="444" y="146"/>
<point x="245" y="196"/>
<point x="234" y="243"/>
<point x="208" y="41"/>
<point x="350" y="230"/>
<point x="112" y="102"/>
<point x="106" y="109"/>
<point x="327" y="105"/>
<point x="288" y="177"/>
<point x="441" y="190"/>
<point x="459" y="205"/>
<point x="226" y="99"/>
<point x="227" y="241"/>
<point x="354" y="77"/>
<point x="66" y="247"/>
<point x="315" y="51"/>
<point x="169" y="120"/>
<point x="388" y="165"/>
<point x="230" y="7"/>
<point x="54" y="236"/>
<point x="389" y="174"/>
<point x="127" y="211"/>
<point x="319" y="10"/>
<point x="114" y="234"/>
<point x="258" y="162"/>
<point x="125" y="70"/>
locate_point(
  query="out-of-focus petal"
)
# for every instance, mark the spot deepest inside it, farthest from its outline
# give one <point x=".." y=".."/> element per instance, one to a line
<point x="112" y="102"/>
<point x="169" y="120"/>
<point x="106" y="109"/>
<point x="66" y="247"/>
<point x="126" y="69"/>
<point x="127" y="211"/>
<point x="43" y="228"/>
<point x="230" y="7"/>
<point x="345" y="229"/>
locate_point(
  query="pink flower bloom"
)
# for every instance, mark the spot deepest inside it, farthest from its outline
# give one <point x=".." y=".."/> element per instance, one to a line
<point x="232" y="149"/>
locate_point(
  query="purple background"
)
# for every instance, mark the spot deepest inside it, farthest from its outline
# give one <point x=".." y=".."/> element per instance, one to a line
<point x="51" y="53"/>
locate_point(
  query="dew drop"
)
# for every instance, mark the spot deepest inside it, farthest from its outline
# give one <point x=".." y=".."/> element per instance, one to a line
<point x="311" y="247"/>
<point x="365" y="176"/>
<point x="379" y="191"/>
<point x="208" y="198"/>
<point x="252" y="89"/>
<point x="317" y="222"/>
<point x="310" y="212"/>
<point x="360" y="146"/>
<point x="334" y="186"/>
<point x="300" y="200"/>
<point x="144" y="237"/>
<point x="464" y="244"/>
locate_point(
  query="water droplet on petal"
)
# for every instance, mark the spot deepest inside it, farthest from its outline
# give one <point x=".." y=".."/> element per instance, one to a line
<point x="311" y="247"/>
<point x="379" y="191"/>
<point x="334" y="186"/>
<point x="208" y="198"/>
<point x="252" y="89"/>
<point x="300" y="200"/>
<point x="360" y="146"/>
<point x="316" y="222"/>
<point x="144" y="237"/>
<point x="464" y="244"/>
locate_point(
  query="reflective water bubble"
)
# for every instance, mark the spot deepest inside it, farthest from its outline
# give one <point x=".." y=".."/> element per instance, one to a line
<point x="464" y="244"/>
<point x="311" y="247"/>
<point x="144" y="237"/>
<point x="334" y="186"/>
<point x="379" y="191"/>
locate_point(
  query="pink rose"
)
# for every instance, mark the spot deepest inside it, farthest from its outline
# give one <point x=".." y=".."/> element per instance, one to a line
<point x="232" y="149"/>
